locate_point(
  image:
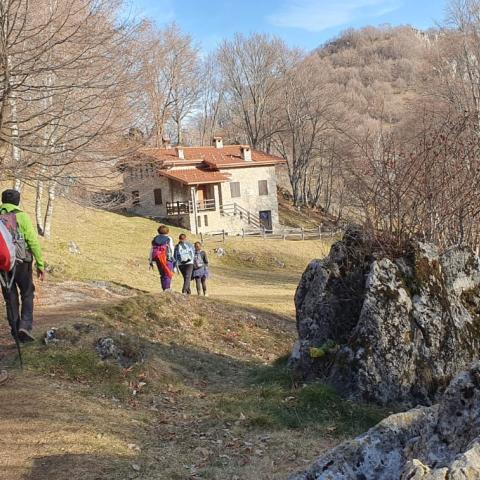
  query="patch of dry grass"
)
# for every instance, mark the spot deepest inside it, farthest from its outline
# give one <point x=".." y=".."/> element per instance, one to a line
<point x="49" y="431"/>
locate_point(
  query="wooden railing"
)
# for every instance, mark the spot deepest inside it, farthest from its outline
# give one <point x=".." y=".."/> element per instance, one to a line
<point x="234" y="209"/>
<point x="282" y="233"/>
<point x="185" y="208"/>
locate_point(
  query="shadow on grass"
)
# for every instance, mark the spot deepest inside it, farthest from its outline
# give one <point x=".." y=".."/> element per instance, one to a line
<point x="274" y="400"/>
<point x="81" y="466"/>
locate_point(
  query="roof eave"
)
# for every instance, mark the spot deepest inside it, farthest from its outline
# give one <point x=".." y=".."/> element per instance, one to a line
<point x="245" y="164"/>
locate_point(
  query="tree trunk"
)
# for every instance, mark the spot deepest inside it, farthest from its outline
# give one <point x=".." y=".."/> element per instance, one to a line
<point x="18" y="185"/>
<point x="38" y="209"/>
<point x="179" y="133"/>
<point x="49" y="212"/>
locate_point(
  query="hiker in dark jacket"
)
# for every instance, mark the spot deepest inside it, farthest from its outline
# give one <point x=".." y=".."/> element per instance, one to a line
<point x="22" y="316"/>
<point x="200" y="269"/>
<point x="161" y="253"/>
<point x="183" y="257"/>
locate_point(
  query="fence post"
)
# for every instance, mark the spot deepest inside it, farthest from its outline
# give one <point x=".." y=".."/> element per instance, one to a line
<point x="223" y="236"/>
<point x="320" y="230"/>
<point x="201" y="237"/>
<point x="263" y="232"/>
<point x="303" y="233"/>
<point x="284" y="236"/>
<point x="243" y="234"/>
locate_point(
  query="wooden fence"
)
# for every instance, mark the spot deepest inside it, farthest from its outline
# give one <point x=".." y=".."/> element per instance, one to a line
<point x="281" y="234"/>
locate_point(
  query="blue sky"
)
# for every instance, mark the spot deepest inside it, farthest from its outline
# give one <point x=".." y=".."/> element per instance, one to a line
<point x="301" y="23"/>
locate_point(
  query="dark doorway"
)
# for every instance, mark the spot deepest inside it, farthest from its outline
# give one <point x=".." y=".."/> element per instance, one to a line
<point x="266" y="219"/>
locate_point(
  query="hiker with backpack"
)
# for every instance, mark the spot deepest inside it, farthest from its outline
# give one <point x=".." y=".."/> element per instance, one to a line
<point x="183" y="256"/>
<point x="161" y="253"/>
<point x="17" y="232"/>
<point x="200" y="269"/>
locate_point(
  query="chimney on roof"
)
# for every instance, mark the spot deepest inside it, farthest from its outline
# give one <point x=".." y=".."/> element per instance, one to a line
<point x="218" y="142"/>
<point x="246" y="152"/>
<point x="166" y="143"/>
<point x="180" y="152"/>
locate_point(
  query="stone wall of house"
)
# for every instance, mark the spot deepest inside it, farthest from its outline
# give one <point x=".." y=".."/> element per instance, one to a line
<point x="210" y="221"/>
<point x="145" y="186"/>
<point x="217" y="222"/>
<point x="249" y="190"/>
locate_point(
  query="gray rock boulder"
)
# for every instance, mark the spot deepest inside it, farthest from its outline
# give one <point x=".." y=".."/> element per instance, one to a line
<point x="427" y="443"/>
<point x="401" y="327"/>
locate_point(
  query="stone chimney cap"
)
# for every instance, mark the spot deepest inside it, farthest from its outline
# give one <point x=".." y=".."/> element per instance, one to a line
<point x="218" y="142"/>
<point x="246" y="152"/>
<point x="180" y="152"/>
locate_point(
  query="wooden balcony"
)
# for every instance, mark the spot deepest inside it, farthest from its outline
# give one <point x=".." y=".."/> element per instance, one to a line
<point x="185" y="208"/>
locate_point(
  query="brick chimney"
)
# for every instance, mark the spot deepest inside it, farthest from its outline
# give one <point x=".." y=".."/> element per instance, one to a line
<point x="246" y="152"/>
<point x="218" y="142"/>
<point x="180" y="152"/>
<point x="166" y="143"/>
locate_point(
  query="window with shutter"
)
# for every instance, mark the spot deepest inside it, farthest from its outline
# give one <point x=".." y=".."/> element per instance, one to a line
<point x="235" y="189"/>
<point x="157" y="193"/>
<point x="136" y="197"/>
<point x="262" y="187"/>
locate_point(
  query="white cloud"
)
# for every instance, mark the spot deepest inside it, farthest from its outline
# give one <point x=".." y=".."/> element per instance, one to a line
<point x="319" y="15"/>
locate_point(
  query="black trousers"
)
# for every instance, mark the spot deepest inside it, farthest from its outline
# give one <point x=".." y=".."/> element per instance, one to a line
<point x="21" y="316"/>
<point x="201" y="284"/>
<point x="186" y="271"/>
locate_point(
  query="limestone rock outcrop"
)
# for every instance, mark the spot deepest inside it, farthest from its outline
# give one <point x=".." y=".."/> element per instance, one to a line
<point x="426" y="443"/>
<point x="387" y="328"/>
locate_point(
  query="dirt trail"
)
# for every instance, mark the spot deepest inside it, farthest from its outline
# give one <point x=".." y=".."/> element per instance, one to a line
<point x="60" y="303"/>
<point x="47" y="430"/>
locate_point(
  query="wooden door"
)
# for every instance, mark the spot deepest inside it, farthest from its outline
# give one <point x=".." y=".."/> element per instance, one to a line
<point x="266" y="219"/>
<point x="201" y="196"/>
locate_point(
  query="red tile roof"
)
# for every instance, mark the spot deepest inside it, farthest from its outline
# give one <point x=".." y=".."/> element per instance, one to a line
<point x="194" y="176"/>
<point x="227" y="157"/>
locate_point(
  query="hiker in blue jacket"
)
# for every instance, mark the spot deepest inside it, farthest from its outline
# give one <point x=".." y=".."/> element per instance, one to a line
<point x="183" y="256"/>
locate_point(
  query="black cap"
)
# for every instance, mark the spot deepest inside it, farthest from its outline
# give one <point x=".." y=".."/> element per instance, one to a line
<point x="11" y="196"/>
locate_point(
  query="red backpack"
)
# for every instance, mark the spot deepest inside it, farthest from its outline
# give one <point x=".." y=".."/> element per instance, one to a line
<point x="159" y="254"/>
<point x="8" y="229"/>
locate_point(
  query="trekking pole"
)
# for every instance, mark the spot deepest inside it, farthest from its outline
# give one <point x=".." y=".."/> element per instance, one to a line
<point x="13" y="325"/>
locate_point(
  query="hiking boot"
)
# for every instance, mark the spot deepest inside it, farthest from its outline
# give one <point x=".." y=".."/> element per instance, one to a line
<point x="3" y="376"/>
<point x="25" y="335"/>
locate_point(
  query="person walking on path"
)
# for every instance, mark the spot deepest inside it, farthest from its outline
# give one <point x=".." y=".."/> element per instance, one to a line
<point x="161" y="253"/>
<point x="183" y="256"/>
<point x="3" y="376"/>
<point x="200" y="269"/>
<point x="28" y="249"/>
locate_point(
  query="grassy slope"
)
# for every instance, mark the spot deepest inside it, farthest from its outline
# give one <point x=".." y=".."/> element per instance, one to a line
<point x="216" y="404"/>
<point x="215" y="401"/>
<point x="115" y="247"/>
